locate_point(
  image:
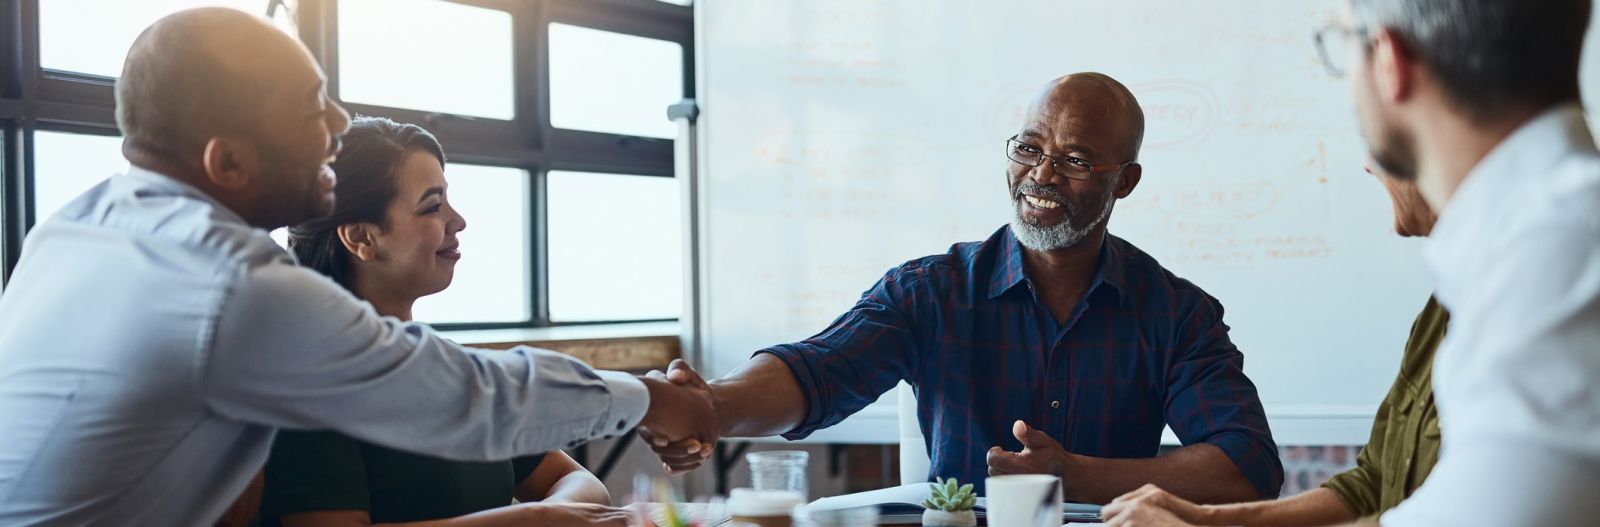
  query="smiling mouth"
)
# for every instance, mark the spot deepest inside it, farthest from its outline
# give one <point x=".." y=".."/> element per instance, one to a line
<point x="1041" y="203"/>
<point x="453" y="252"/>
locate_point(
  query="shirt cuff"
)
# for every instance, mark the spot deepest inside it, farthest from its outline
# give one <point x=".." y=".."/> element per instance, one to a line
<point x="1356" y="490"/>
<point x="629" y="400"/>
<point x="801" y="368"/>
<point x="1258" y="464"/>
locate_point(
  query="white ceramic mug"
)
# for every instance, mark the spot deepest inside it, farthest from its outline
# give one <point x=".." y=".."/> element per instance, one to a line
<point x="1023" y="500"/>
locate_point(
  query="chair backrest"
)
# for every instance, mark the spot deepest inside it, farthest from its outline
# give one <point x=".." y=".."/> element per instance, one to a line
<point x="914" y="462"/>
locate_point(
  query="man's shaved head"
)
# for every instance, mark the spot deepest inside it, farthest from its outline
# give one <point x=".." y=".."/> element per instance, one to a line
<point x="1098" y="93"/>
<point x="1082" y="135"/>
<point x="224" y="101"/>
<point x="194" y="75"/>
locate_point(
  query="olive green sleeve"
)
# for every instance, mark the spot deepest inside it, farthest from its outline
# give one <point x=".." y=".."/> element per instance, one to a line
<point x="1360" y="487"/>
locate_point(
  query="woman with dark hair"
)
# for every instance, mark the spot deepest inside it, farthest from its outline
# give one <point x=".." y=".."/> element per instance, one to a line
<point x="390" y="240"/>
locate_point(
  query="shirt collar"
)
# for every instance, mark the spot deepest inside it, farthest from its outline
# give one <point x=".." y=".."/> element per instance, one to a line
<point x="1534" y="147"/>
<point x="1009" y="271"/>
<point x="167" y="185"/>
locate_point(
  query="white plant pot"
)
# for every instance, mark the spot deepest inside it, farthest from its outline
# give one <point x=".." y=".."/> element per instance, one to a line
<point x="937" y="518"/>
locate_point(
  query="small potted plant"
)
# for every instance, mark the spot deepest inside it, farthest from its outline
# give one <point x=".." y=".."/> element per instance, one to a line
<point x="949" y="505"/>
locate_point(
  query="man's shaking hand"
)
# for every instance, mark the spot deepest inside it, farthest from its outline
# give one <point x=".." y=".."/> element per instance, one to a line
<point x="683" y="426"/>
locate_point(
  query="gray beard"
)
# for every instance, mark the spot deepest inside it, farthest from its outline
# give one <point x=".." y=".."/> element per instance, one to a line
<point x="1060" y="236"/>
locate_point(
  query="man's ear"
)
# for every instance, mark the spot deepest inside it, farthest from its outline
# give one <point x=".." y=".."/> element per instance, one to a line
<point x="361" y="239"/>
<point x="1129" y="179"/>
<point x="230" y="163"/>
<point x="1394" y="66"/>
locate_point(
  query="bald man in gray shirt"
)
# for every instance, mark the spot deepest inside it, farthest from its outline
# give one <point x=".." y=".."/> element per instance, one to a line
<point x="153" y="332"/>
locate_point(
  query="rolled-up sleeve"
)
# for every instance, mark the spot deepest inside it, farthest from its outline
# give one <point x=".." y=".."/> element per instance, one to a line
<point x="1360" y="486"/>
<point x="1210" y="400"/>
<point x="294" y="350"/>
<point x="861" y="355"/>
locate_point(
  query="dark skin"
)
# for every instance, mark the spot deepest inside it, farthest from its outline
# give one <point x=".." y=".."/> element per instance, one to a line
<point x="1089" y="116"/>
<point x="269" y="166"/>
<point x="1084" y="116"/>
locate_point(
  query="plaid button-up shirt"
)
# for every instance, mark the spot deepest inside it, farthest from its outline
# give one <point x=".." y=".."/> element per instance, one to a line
<point x="1143" y="348"/>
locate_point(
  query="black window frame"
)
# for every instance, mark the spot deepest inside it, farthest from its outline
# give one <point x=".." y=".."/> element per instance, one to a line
<point x="34" y="99"/>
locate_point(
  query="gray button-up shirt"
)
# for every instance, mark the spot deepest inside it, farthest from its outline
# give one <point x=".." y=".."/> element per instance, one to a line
<point x="151" y="343"/>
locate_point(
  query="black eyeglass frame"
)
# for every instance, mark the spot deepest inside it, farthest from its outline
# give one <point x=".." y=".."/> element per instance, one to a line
<point x="1073" y="168"/>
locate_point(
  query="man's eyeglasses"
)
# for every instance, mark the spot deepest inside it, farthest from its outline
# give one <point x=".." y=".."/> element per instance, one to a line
<point x="1065" y="166"/>
<point x="1334" y="45"/>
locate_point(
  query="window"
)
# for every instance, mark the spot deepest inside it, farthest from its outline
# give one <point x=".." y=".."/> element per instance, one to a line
<point x="611" y="82"/>
<point x="427" y="55"/>
<point x="616" y="247"/>
<point x="93" y="36"/>
<point x="492" y="279"/>
<point x="66" y="165"/>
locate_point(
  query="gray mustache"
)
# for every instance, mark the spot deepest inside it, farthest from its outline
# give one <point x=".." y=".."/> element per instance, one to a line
<point x="1041" y="191"/>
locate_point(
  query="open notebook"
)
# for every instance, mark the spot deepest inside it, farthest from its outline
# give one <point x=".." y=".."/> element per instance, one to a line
<point x="902" y="505"/>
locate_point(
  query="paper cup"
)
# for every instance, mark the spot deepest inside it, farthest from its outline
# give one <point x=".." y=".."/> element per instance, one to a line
<point x="1023" y="500"/>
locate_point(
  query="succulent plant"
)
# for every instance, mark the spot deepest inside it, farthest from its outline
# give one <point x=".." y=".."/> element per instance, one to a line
<point x="950" y="495"/>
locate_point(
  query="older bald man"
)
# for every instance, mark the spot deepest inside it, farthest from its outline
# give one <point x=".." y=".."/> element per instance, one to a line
<point x="1051" y="347"/>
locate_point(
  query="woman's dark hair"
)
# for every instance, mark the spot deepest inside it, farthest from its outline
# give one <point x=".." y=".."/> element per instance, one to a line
<point x="366" y="169"/>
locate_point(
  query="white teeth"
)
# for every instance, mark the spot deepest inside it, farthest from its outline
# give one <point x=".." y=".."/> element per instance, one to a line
<point x="1043" y="204"/>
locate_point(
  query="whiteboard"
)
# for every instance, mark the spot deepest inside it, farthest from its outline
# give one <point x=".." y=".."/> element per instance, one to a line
<point x="840" y="138"/>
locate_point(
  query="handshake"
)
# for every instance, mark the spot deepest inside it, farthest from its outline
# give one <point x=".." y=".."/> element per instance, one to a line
<point x="681" y="425"/>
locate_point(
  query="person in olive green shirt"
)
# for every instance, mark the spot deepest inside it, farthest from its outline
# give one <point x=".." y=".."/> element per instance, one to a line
<point x="1405" y="434"/>
<point x="391" y="240"/>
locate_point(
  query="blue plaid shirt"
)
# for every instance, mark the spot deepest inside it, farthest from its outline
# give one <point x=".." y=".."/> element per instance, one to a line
<point x="1143" y="348"/>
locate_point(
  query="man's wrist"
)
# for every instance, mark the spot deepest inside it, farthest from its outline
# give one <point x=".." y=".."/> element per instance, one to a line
<point x="719" y="391"/>
<point x="1070" y="469"/>
<point x="656" y="390"/>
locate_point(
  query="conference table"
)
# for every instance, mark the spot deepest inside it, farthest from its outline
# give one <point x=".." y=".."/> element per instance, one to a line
<point x="697" y="515"/>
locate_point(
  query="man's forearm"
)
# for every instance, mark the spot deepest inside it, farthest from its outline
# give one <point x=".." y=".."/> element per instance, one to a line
<point x="1200" y="473"/>
<point x="1315" y="508"/>
<point x="760" y="398"/>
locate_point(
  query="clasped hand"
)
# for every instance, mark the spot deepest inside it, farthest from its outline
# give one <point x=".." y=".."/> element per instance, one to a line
<point x="681" y="425"/>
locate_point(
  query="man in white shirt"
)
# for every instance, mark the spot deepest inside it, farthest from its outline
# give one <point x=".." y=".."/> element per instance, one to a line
<point x="153" y="338"/>
<point x="1478" y="101"/>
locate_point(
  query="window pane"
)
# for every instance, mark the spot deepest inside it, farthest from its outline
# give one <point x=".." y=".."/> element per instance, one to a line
<point x="491" y="280"/>
<point x="93" y="36"/>
<point x="616" y="247"/>
<point x="426" y="55"/>
<point x="610" y="82"/>
<point x="66" y="165"/>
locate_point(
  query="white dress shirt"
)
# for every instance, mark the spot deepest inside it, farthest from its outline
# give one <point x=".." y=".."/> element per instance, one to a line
<point x="151" y="343"/>
<point x="1516" y="253"/>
